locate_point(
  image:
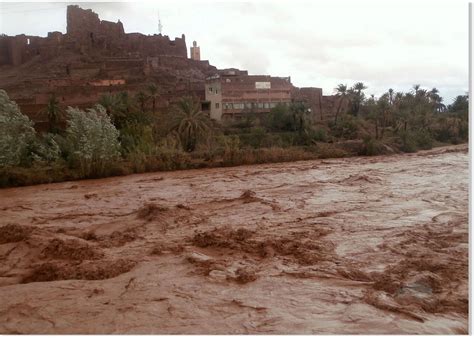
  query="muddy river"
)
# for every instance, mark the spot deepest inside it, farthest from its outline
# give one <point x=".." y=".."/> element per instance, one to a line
<point x="356" y="245"/>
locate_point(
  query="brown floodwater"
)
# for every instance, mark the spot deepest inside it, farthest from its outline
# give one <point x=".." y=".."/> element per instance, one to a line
<point x="356" y="245"/>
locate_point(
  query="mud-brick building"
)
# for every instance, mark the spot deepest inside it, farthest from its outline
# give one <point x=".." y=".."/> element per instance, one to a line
<point x="231" y="94"/>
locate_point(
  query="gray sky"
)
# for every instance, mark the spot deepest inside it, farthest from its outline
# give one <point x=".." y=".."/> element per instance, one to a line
<point x="385" y="44"/>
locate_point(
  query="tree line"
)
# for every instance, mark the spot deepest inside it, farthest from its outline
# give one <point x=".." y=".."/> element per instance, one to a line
<point x="125" y="133"/>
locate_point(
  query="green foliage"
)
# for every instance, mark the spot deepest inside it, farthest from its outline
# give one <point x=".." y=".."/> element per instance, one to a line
<point x="372" y="147"/>
<point x="95" y="138"/>
<point x="460" y="104"/>
<point x="170" y="155"/>
<point x="137" y="137"/>
<point x="142" y="99"/>
<point x="124" y="109"/>
<point x="54" y="114"/>
<point x="423" y="139"/>
<point x="287" y="118"/>
<point x="47" y="150"/>
<point x="318" y="135"/>
<point x="93" y="141"/>
<point x="408" y="142"/>
<point x="412" y="141"/>
<point x="279" y="119"/>
<point x="16" y="133"/>
<point x="254" y="138"/>
<point x="347" y="128"/>
<point x="190" y="123"/>
<point x="153" y="93"/>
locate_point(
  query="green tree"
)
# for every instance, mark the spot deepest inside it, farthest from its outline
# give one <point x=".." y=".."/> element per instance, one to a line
<point x="341" y="92"/>
<point x="357" y="97"/>
<point x="153" y="93"/>
<point x="299" y="112"/>
<point x="142" y="98"/>
<point x="416" y="88"/>
<point x="390" y="96"/>
<point x="92" y="139"/>
<point x="460" y="104"/>
<point x="16" y="133"/>
<point x="190" y="123"/>
<point x="121" y="107"/>
<point x="54" y="114"/>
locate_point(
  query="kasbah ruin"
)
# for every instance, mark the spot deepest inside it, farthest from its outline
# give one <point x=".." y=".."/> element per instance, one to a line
<point x="95" y="57"/>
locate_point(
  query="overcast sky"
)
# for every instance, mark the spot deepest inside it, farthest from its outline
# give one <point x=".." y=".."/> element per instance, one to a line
<point x="385" y="44"/>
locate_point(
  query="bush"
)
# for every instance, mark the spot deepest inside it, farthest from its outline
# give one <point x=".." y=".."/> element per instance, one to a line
<point x="408" y="142"/>
<point x="318" y="135"/>
<point x="47" y="149"/>
<point x="423" y="139"/>
<point x="136" y="137"/>
<point x="93" y="141"/>
<point x="463" y="130"/>
<point x="328" y="150"/>
<point x="371" y="147"/>
<point x="16" y="133"/>
<point x="347" y="128"/>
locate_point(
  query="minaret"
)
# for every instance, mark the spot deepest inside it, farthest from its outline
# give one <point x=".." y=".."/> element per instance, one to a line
<point x="195" y="52"/>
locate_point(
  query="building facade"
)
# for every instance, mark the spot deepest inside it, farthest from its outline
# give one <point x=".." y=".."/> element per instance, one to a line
<point x="232" y="94"/>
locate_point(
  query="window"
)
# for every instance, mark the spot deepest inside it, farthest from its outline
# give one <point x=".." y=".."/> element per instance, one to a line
<point x="238" y="106"/>
<point x="266" y="105"/>
<point x="248" y="105"/>
<point x="27" y="41"/>
<point x="273" y="104"/>
<point x="216" y="91"/>
<point x="217" y="104"/>
<point x="260" y="105"/>
<point x="210" y="90"/>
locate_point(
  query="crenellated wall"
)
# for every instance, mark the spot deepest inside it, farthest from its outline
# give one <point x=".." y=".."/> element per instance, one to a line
<point x="87" y="34"/>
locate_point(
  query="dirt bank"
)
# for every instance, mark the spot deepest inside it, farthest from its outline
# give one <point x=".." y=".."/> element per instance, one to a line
<point x="356" y="245"/>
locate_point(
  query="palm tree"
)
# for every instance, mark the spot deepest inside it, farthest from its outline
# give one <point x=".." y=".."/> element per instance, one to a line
<point x="416" y="88"/>
<point x="341" y="91"/>
<point x="372" y="110"/>
<point x="153" y="94"/>
<point x="190" y="123"/>
<point x="142" y="99"/>
<point x="436" y="100"/>
<point x="54" y="113"/>
<point x="359" y="96"/>
<point x="115" y="107"/>
<point x="390" y="96"/>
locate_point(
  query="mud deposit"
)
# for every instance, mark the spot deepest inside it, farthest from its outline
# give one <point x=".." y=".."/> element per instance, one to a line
<point x="360" y="245"/>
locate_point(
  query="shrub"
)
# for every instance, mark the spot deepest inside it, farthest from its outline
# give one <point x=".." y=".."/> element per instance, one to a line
<point x="16" y="133"/>
<point x="93" y="141"/>
<point x="318" y="135"/>
<point x="47" y="149"/>
<point x="136" y="137"/>
<point x="463" y="132"/>
<point x="169" y="155"/>
<point x="408" y="142"/>
<point x="328" y="150"/>
<point x="423" y="139"/>
<point x="347" y="128"/>
<point x="371" y="147"/>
